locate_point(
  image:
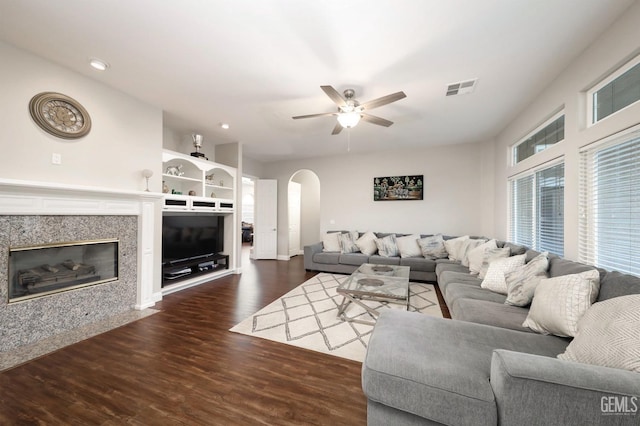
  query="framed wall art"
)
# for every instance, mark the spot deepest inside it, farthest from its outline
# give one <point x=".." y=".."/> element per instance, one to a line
<point x="397" y="188"/>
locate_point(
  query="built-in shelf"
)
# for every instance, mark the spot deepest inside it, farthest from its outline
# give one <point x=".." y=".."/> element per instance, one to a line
<point x="212" y="186"/>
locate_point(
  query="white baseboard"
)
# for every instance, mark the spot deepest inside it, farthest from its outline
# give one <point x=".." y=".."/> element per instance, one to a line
<point x="283" y="257"/>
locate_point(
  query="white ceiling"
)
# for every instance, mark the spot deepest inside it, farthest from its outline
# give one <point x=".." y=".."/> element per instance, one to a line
<point x="256" y="63"/>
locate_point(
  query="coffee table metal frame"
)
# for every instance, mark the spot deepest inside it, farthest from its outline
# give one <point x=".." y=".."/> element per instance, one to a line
<point x="395" y="289"/>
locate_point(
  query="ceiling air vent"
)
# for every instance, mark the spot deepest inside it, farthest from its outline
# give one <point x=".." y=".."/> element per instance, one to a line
<point x="461" y="87"/>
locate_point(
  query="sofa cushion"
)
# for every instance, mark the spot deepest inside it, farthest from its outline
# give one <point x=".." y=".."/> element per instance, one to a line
<point x="448" y="277"/>
<point x="560" y="302"/>
<point x="615" y="284"/>
<point x="356" y="259"/>
<point x="457" y="290"/>
<point x="609" y="335"/>
<point x="516" y="249"/>
<point x="419" y="264"/>
<point x="382" y="260"/>
<point x="433" y="367"/>
<point x="327" y="258"/>
<point x="560" y="266"/>
<point x="490" y="313"/>
<point x="348" y="242"/>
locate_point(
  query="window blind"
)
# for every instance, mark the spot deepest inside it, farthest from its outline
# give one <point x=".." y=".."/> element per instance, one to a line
<point x="537" y="210"/>
<point x="609" y="227"/>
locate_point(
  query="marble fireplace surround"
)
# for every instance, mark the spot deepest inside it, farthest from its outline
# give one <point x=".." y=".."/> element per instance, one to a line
<point x="33" y="213"/>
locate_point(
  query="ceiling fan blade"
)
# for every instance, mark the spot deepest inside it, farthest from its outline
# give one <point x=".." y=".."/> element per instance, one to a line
<point x="382" y="101"/>
<point x="334" y="95"/>
<point x="324" y="114"/>
<point x="376" y="120"/>
<point x="337" y="129"/>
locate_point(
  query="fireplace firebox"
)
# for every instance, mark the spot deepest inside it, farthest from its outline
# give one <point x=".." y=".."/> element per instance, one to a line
<point x="36" y="271"/>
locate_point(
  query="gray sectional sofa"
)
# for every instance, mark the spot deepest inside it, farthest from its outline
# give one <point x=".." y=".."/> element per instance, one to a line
<point x="483" y="367"/>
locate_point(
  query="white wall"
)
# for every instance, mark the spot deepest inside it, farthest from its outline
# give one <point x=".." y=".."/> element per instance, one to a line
<point x="454" y="194"/>
<point x="125" y="137"/>
<point x="615" y="47"/>
<point x="309" y="207"/>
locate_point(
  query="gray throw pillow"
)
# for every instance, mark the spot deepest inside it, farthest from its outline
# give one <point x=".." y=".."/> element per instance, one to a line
<point x="348" y="243"/>
<point x="522" y="282"/>
<point x="433" y="247"/>
<point x="387" y="246"/>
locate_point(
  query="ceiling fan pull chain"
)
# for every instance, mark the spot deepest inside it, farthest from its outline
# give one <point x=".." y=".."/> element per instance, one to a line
<point x="348" y="140"/>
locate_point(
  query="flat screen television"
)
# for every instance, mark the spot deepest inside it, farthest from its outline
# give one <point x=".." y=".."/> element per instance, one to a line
<point x="190" y="236"/>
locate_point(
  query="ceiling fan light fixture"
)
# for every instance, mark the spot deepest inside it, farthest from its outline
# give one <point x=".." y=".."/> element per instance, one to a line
<point x="349" y="119"/>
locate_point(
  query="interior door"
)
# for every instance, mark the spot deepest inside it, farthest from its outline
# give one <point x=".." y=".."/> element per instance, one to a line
<point x="266" y="233"/>
<point x="295" y="191"/>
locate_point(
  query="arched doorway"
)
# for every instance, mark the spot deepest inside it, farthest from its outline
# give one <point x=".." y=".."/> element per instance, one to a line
<point x="303" y="210"/>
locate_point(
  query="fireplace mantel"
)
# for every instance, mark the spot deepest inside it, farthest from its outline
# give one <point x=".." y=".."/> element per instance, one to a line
<point x="20" y="197"/>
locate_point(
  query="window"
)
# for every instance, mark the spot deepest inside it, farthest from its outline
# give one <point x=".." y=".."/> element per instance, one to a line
<point x="549" y="133"/>
<point x="537" y="209"/>
<point x="610" y="204"/>
<point x="618" y="91"/>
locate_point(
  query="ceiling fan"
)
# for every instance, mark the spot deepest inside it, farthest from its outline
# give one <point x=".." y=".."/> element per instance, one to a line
<point x="350" y="111"/>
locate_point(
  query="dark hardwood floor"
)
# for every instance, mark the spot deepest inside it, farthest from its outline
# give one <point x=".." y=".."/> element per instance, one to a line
<point x="183" y="367"/>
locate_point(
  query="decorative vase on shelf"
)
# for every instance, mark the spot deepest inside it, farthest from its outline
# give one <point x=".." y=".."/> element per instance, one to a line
<point x="221" y="182"/>
<point x="165" y="187"/>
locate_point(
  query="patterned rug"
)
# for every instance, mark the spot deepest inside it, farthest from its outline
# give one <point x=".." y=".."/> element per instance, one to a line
<point x="307" y="317"/>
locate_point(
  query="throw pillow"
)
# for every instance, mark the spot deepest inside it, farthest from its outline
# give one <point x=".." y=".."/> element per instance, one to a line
<point x="348" y="243"/>
<point x="522" y="282"/>
<point x="466" y="247"/>
<point x="453" y="247"/>
<point x="331" y="241"/>
<point x="608" y="335"/>
<point x="408" y="246"/>
<point x="560" y="302"/>
<point x="367" y="243"/>
<point x="494" y="279"/>
<point x="476" y="255"/>
<point x="490" y="256"/>
<point x="433" y="247"/>
<point x="387" y="246"/>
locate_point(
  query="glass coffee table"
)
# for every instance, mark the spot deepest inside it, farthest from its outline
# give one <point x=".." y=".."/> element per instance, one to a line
<point x="381" y="283"/>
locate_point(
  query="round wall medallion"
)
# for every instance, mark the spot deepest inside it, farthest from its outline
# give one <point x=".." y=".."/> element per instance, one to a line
<point x="60" y="115"/>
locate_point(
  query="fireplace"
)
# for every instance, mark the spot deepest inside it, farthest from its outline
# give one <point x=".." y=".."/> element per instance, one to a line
<point x="36" y="271"/>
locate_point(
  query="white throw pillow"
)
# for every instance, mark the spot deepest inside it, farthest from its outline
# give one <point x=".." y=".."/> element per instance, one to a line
<point x="408" y="246"/>
<point x="476" y="255"/>
<point x="608" y="335"/>
<point x="490" y="256"/>
<point x="367" y="243"/>
<point x="494" y="279"/>
<point x="453" y="247"/>
<point x="466" y="247"/>
<point x="387" y="246"/>
<point x="560" y="302"/>
<point x="331" y="241"/>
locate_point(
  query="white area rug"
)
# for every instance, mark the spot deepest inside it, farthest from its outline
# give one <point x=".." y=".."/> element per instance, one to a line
<point x="307" y="317"/>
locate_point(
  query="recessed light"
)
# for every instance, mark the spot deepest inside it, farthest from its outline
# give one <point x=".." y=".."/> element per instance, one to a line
<point x="224" y="126"/>
<point x="98" y="64"/>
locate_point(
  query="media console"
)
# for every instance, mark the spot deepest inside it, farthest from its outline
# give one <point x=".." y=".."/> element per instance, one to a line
<point x="174" y="271"/>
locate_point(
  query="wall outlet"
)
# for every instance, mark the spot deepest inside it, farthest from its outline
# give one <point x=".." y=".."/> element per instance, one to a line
<point x="56" y="158"/>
